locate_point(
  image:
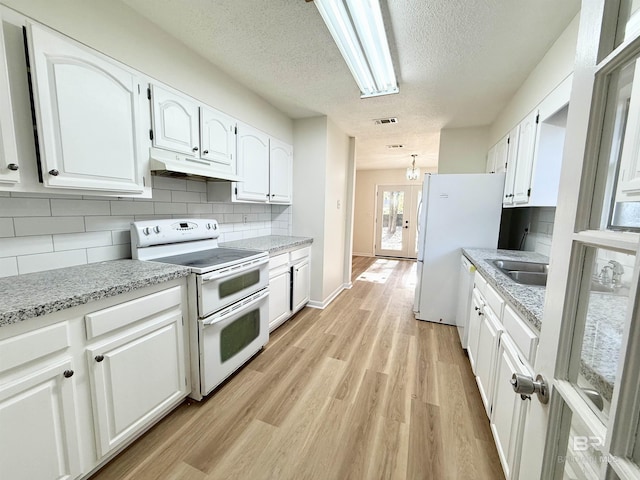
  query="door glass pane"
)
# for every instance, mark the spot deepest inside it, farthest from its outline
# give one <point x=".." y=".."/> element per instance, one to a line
<point x="392" y="220"/>
<point x="598" y="335"/>
<point x="583" y="460"/>
<point x="629" y="20"/>
<point x="239" y="283"/>
<point x="237" y="335"/>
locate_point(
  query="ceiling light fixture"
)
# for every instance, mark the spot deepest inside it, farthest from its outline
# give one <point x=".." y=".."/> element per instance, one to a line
<point x="357" y="28"/>
<point x="413" y="173"/>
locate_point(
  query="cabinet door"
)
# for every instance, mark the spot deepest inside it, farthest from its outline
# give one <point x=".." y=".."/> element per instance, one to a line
<point x="475" y="319"/>
<point x="507" y="415"/>
<point x="88" y="116"/>
<point x="628" y="189"/>
<point x="279" y="296"/>
<point x="526" y="154"/>
<point x="488" y="337"/>
<point x="512" y="154"/>
<point x="38" y="422"/>
<point x="253" y="164"/>
<point x="280" y="172"/>
<point x="218" y="140"/>
<point x="301" y="284"/>
<point x="9" y="165"/>
<point x="175" y="122"/>
<point x="491" y="160"/>
<point x="501" y="151"/>
<point x="135" y="377"/>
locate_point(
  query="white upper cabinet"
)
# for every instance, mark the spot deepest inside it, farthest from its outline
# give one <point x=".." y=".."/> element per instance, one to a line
<point x="280" y="172"/>
<point x="501" y="151"/>
<point x="491" y="160"/>
<point x="218" y="139"/>
<point x="204" y="138"/>
<point x="175" y="122"/>
<point x="512" y="158"/>
<point x="525" y="156"/>
<point x="253" y="164"/>
<point x="9" y="165"/>
<point x="88" y="116"/>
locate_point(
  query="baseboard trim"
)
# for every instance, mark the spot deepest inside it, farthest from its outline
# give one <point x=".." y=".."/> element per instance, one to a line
<point x="325" y="303"/>
<point x="362" y="254"/>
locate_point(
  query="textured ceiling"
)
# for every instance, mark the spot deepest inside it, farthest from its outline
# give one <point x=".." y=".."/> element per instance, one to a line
<point x="458" y="62"/>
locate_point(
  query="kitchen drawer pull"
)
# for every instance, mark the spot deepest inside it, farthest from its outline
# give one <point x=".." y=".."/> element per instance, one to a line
<point x="68" y="373"/>
<point x="99" y="358"/>
<point x="54" y="172"/>
<point x="13" y="167"/>
<point x="195" y="149"/>
<point x="206" y="152"/>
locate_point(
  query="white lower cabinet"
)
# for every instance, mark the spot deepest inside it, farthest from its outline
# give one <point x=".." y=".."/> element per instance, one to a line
<point x="79" y="384"/>
<point x="289" y="285"/>
<point x="509" y="409"/>
<point x="500" y="344"/>
<point x="39" y="425"/>
<point x="490" y="330"/>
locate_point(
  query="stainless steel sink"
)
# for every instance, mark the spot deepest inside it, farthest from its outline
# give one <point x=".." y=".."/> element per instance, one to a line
<point x="529" y="278"/>
<point x="526" y="273"/>
<point x="514" y="265"/>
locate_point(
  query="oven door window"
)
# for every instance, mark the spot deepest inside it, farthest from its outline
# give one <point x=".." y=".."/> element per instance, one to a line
<point x="239" y="283"/>
<point x="238" y="335"/>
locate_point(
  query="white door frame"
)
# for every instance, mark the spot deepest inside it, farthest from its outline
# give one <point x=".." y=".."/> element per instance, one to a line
<point x="574" y="230"/>
<point x="410" y="221"/>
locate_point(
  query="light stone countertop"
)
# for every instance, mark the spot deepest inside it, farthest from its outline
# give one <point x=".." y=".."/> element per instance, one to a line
<point x="36" y="294"/>
<point x="603" y="327"/>
<point x="270" y="243"/>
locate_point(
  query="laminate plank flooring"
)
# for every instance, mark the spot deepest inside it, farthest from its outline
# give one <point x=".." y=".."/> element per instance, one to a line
<point x="359" y="390"/>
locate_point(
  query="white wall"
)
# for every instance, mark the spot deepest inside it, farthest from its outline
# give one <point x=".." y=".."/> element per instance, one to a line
<point x="121" y="33"/>
<point x="308" y="209"/>
<point x="463" y="150"/>
<point x="554" y="67"/>
<point x="324" y="159"/>
<point x="365" y="204"/>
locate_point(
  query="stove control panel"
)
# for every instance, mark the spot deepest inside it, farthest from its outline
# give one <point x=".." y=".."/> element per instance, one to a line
<point x="162" y="232"/>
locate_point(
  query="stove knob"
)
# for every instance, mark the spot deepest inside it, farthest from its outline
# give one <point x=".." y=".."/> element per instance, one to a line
<point x="146" y="230"/>
<point x="156" y="229"/>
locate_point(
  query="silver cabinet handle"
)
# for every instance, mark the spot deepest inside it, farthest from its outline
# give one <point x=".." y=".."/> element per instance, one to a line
<point x="54" y="172"/>
<point x="13" y="167"/>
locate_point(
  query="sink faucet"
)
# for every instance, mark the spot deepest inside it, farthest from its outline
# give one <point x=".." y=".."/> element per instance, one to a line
<point x="603" y="277"/>
<point x="617" y="271"/>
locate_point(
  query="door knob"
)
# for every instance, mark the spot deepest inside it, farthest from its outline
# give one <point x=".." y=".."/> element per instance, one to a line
<point x="526" y="386"/>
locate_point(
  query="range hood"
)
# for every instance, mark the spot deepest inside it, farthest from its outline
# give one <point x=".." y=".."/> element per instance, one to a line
<point x="164" y="162"/>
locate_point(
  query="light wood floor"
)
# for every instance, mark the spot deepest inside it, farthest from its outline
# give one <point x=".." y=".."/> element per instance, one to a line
<point x="359" y="390"/>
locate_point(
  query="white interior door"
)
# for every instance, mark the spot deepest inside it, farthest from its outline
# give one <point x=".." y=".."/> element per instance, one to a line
<point x="397" y="220"/>
<point x="589" y="350"/>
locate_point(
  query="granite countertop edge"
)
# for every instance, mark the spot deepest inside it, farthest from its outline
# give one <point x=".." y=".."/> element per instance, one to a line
<point x="37" y="294"/>
<point x="528" y="300"/>
<point x="273" y="244"/>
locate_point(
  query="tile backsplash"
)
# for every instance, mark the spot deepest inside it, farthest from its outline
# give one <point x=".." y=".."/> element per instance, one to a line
<point x="42" y="232"/>
<point x="541" y="230"/>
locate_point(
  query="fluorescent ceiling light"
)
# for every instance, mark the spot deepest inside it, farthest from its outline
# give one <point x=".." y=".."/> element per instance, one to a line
<point x="356" y="27"/>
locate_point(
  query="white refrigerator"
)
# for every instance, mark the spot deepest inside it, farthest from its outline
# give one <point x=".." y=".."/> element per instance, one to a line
<point x="458" y="210"/>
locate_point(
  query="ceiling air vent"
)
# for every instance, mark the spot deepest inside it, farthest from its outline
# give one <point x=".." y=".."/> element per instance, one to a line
<point x="385" y="121"/>
<point x="395" y="146"/>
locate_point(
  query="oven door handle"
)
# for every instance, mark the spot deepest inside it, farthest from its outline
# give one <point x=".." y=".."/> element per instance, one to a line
<point x="236" y="308"/>
<point x="209" y="277"/>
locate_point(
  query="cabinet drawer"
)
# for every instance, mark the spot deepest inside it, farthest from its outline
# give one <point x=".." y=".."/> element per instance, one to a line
<point x="32" y="345"/>
<point x="278" y="260"/>
<point x="525" y="339"/>
<point x="110" y="319"/>
<point x="300" y="253"/>
<point x="494" y="300"/>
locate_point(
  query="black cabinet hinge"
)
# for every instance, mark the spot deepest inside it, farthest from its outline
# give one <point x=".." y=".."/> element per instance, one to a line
<point x="508" y="141"/>
<point x="529" y="193"/>
<point x="149" y="93"/>
<point x="538" y="118"/>
<point x="236" y="190"/>
<point x="235" y="130"/>
<point x="150" y="134"/>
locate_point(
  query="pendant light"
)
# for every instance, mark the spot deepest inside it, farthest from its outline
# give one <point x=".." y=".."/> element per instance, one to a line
<point x="413" y="173"/>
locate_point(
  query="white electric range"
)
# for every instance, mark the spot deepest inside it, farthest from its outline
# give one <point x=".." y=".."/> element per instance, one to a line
<point x="228" y="294"/>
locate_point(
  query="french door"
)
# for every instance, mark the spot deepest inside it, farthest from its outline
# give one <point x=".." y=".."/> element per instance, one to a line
<point x="589" y="351"/>
<point x="397" y="220"/>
